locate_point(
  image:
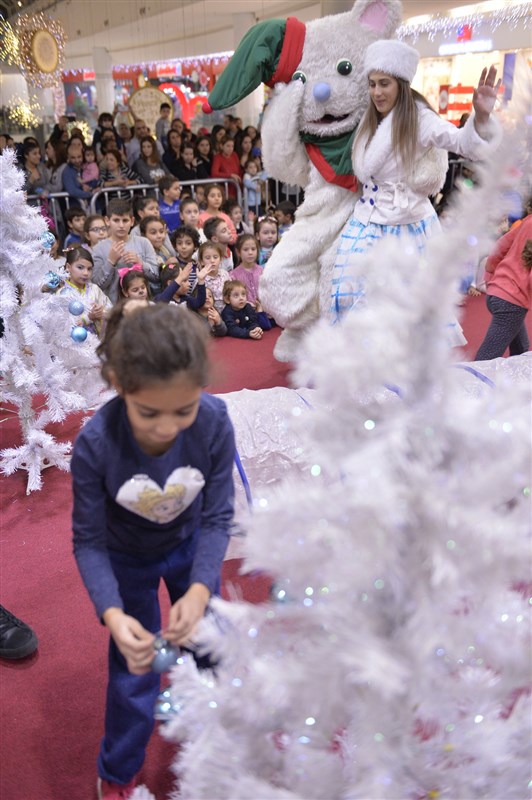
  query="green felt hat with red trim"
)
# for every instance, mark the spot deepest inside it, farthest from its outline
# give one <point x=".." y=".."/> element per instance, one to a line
<point x="270" y="53"/>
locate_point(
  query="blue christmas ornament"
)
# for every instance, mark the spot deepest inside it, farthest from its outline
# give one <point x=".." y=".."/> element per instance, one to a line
<point x="53" y="281"/>
<point x="76" y="307"/>
<point x="78" y="333"/>
<point x="165" y="656"/>
<point x="47" y="240"/>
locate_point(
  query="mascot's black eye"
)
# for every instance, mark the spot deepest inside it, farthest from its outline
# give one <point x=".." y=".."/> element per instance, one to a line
<point x="344" y="67"/>
<point x="299" y="76"/>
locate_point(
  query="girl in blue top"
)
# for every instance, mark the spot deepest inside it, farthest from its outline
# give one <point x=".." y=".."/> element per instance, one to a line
<point x="153" y="498"/>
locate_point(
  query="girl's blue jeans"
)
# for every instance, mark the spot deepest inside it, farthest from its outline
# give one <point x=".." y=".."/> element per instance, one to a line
<point x="131" y="698"/>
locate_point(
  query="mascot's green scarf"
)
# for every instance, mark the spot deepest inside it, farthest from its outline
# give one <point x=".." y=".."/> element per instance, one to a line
<point x="270" y="52"/>
<point x="331" y="155"/>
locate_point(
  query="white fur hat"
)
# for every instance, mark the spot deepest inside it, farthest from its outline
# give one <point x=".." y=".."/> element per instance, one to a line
<point x="392" y="57"/>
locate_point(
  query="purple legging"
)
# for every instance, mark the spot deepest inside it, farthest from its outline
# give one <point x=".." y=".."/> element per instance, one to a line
<point x="507" y="329"/>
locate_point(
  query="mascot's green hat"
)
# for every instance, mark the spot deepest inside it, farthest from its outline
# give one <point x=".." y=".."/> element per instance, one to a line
<point x="270" y="52"/>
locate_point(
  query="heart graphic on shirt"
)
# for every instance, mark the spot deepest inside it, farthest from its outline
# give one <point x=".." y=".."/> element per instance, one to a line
<point x="143" y="496"/>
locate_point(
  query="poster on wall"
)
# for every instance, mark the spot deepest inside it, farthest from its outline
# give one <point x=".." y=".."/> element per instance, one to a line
<point x="145" y="104"/>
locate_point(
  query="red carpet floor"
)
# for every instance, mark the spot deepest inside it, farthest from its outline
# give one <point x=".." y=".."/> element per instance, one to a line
<point x="52" y="703"/>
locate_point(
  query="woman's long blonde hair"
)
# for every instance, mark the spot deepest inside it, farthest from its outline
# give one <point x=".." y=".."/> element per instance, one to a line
<point x="404" y="126"/>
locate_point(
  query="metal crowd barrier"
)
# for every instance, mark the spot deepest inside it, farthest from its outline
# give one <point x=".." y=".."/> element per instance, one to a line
<point x="145" y="189"/>
<point x="53" y="207"/>
<point x="274" y="192"/>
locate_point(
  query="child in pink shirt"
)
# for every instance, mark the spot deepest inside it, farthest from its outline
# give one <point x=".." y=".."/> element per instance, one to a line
<point x="214" y="198"/>
<point x="509" y="291"/>
<point x="249" y="272"/>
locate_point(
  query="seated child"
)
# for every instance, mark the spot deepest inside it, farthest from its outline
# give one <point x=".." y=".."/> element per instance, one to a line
<point x="94" y="230"/>
<point x="236" y="215"/>
<point x="175" y="280"/>
<point x="215" y="197"/>
<point x="79" y="266"/>
<point x="186" y="241"/>
<point x="284" y="214"/>
<point x="267" y="235"/>
<point x="242" y="320"/>
<point x="210" y="254"/>
<point x="170" y="192"/>
<point x="154" y="229"/>
<point x="90" y="172"/>
<point x="75" y="219"/>
<point x="190" y="215"/>
<point x="210" y="316"/>
<point x="133" y="283"/>
<point x="217" y="230"/>
<point x="248" y="272"/>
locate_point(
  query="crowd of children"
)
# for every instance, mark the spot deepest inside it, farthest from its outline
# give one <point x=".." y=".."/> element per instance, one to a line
<point x="191" y="257"/>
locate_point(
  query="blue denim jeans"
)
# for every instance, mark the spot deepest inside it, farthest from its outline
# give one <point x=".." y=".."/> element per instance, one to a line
<point x="131" y="698"/>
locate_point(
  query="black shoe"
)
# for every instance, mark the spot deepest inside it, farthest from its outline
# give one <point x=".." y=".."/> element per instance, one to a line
<point x="17" y="640"/>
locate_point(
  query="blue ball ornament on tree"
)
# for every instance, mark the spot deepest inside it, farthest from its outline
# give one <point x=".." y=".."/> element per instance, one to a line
<point x="76" y="307"/>
<point x="47" y="240"/>
<point x="53" y="281"/>
<point x="78" y="334"/>
<point x="165" y="656"/>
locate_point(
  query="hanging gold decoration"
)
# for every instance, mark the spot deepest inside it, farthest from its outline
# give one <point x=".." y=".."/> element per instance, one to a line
<point x="41" y="45"/>
<point x="8" y="43"/>
<point x="82" y="126"/>
<point x="24" y="113"/>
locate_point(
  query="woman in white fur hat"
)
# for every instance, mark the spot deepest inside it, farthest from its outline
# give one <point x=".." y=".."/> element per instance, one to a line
<point x="397" y="130"/>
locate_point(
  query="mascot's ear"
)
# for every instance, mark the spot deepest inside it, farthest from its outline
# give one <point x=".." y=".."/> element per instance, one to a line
<point x="269" y="52"/>
<point x="383" y="17"/>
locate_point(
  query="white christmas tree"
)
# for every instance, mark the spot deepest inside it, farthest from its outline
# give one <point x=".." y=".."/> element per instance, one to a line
<point x="394" y="658"/>
<point x="46" y="375"/>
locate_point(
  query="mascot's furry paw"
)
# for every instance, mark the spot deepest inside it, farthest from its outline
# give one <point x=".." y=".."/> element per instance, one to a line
<point x="287" y="346"/>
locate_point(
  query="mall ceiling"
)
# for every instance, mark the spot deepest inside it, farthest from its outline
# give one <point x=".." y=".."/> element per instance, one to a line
<point x="123" y="25"/>
<point x="123" y="11"/>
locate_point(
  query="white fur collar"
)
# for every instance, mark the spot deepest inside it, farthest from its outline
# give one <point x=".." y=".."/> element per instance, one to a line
<point x="366" y="161"/>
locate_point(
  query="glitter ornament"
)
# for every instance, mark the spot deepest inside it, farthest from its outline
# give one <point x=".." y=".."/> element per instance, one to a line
<point x="53" y="281"/>
<point x="78" y="334"/>
<point x="8" y="43"/>
<point x="41" y="45"/>
<point x="76" y="307"/>
<point x="26" y="113"/>
<point x="47" y="240"/>
<point x="165" y="656"/>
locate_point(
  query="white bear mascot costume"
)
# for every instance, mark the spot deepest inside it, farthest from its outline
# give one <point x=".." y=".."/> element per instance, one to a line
<point x="319" y="98"/>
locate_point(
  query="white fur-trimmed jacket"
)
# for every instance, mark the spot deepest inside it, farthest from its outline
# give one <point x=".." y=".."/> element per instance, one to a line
<point x="389" y="195"/>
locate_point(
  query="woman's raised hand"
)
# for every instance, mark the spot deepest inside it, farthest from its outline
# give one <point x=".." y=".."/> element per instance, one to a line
<point x="485" y="94"/>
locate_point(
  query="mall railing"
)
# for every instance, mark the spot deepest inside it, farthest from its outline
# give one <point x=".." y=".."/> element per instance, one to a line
<point x="273" y="192"/>
<point x="53" y="203"/>
<point x="145" y="189"/>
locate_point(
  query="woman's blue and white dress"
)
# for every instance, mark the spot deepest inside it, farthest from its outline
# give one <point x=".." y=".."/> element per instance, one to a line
<point x="394" y="203"/>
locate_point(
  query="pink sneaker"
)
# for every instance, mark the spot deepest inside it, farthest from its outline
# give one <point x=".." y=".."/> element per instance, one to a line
<point x="107" y="790"/>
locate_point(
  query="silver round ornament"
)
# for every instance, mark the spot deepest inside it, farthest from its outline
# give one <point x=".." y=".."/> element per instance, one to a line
<point x="165" y="656"/>
<point x="76" y="307"/>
